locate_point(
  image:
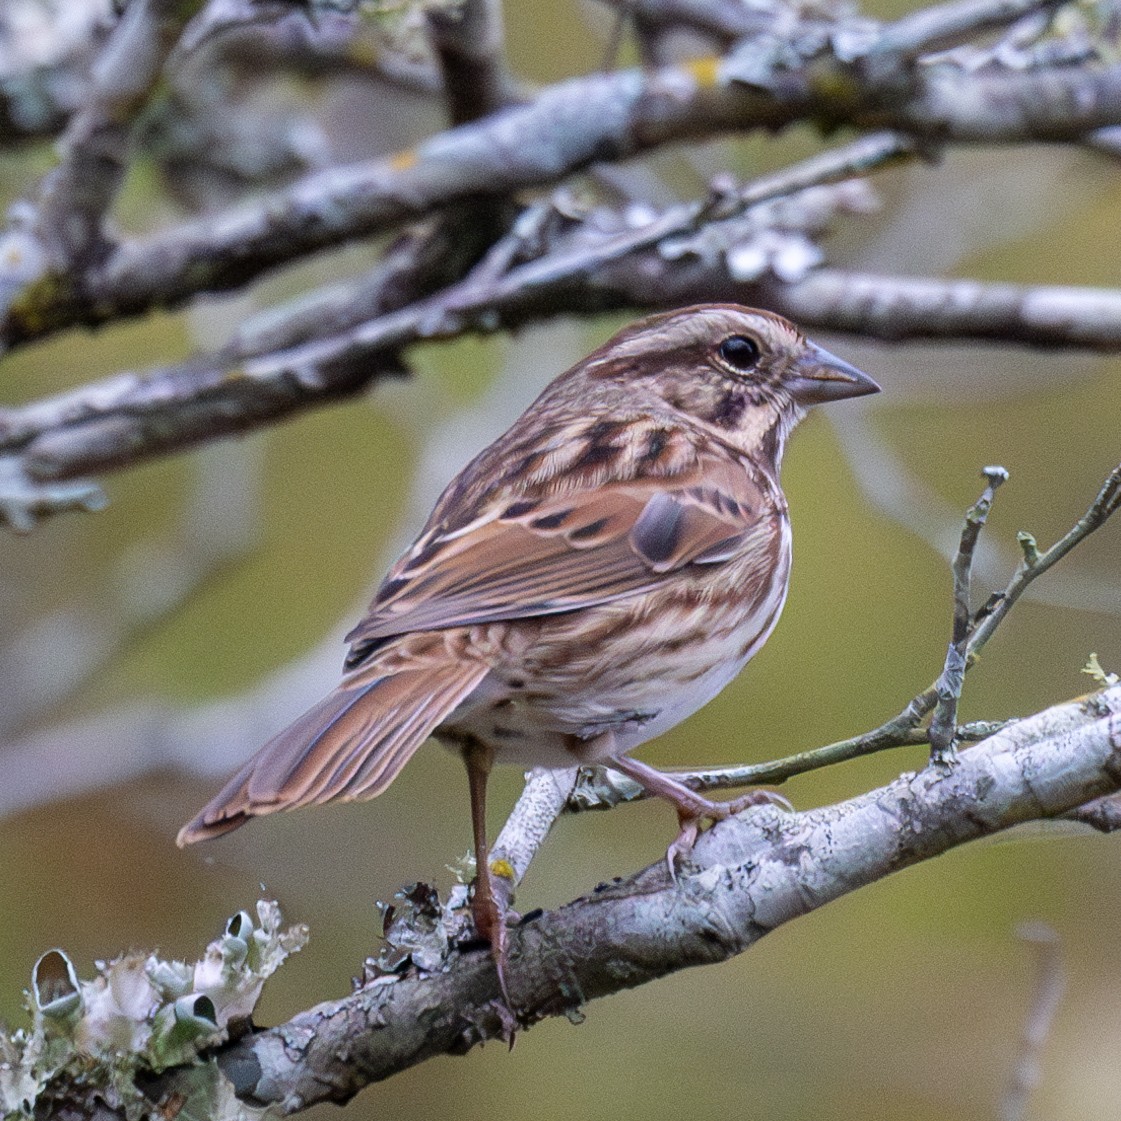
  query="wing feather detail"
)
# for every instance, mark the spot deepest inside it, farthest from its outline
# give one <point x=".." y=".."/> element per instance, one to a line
<point x="540" y="552"/>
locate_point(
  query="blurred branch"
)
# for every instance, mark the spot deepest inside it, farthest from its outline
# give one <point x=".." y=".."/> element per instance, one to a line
<point x="62" y="234"/>
<point x="339" y="341"/>
<point x="906" y="38"/>
<point x="564" y="129"/>
<point x="44" y="663"/>
<point x="128" y="418"/>
<point x="43" y="76"/>
<point x="748" y="876"/>
<point x="284" y="362"/>
<point x="23" y="500"/>
<point x="332" y="44"/>
<point x="1048" y="992"/>
<point x="567" y="257"/>
<point x="468" y="41"/>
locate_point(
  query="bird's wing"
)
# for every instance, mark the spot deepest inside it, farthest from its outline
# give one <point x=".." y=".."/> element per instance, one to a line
<point x="542" y="553"/>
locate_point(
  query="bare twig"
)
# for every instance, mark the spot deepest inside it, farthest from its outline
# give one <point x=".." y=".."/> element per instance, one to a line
<point x="943" y="722"/>
<point x="1036" y="563"/>
<point x="546" y="794"/>
<point x="601" y="789"/>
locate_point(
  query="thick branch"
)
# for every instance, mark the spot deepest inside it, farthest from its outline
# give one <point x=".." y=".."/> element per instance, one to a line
<point x="565" y="129"/>
<point x="131" y="417"/>
<point x="751" y="875"/>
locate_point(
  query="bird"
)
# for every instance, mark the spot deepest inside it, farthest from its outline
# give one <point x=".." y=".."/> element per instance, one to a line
<point x="589" y="580"/>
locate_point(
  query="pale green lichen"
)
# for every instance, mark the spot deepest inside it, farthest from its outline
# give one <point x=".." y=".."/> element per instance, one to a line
<point x="141" y="1014"/>
<point x="1093" y="668"/>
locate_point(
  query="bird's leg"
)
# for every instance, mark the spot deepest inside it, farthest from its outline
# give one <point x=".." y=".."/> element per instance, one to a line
<point x="691" y="807"/>
<point x="490" y="922"/>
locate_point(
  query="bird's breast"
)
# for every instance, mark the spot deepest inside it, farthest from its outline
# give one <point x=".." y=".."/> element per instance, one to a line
<point x="635" y="667"/>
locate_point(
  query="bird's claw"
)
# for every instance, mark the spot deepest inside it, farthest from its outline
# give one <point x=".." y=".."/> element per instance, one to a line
<point x="682" y="844"/>
<point x="690" y="823"/>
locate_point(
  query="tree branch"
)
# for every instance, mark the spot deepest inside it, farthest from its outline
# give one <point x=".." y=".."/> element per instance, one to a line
<point x="128" y="418"/>
<point x="565" y="129"/>
<point x="548" y="794"/>
<point x="61" y="235"/>
<point x="944" y="719"/>
<point x="749" y="876"/>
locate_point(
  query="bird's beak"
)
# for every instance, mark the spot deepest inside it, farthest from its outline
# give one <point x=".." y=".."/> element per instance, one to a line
<point x="819" y="376"/>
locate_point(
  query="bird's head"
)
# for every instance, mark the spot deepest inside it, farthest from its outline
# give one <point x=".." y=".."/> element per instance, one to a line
<point x="749" y="374"/>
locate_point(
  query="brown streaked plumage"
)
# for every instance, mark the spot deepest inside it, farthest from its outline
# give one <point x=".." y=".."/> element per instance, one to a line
<point x="589" y="580"/>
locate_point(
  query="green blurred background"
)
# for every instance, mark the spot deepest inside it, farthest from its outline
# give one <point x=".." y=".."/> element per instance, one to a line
<point x="906" y="999"/>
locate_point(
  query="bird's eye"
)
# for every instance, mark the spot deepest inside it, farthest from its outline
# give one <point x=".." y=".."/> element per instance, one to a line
<point x="740" y="352"/>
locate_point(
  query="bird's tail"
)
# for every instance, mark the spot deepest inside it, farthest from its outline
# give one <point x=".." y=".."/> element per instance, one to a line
<point x="347" y="748"/>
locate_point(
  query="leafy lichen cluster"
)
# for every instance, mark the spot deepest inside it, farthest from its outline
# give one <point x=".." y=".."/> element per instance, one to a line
<point x="140" y="1014"/>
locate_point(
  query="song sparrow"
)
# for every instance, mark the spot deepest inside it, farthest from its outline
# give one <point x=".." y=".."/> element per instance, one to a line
<point x="592" y="578"/>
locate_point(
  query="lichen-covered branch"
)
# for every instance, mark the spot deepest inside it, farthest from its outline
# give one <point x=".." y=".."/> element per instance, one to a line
<point x="748" y="876"/>
<point x="566" y="128"/>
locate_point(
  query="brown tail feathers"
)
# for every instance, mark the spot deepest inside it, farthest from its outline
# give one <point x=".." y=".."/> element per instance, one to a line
<point x="347" y="748"/>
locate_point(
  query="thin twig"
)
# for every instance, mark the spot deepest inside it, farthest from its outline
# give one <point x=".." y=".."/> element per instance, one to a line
<point x="943" y="723"/>
<point x="1035" y="564"/>
<point x="905" y="723"/>
<point x="600" y="788"/>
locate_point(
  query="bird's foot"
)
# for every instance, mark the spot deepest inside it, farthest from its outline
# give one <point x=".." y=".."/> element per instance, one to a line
<point x="693" y="810"/>
<point x="492" y="924"/>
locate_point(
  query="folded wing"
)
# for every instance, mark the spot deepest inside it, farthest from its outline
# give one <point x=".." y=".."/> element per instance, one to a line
<point x="533" y="554"/>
